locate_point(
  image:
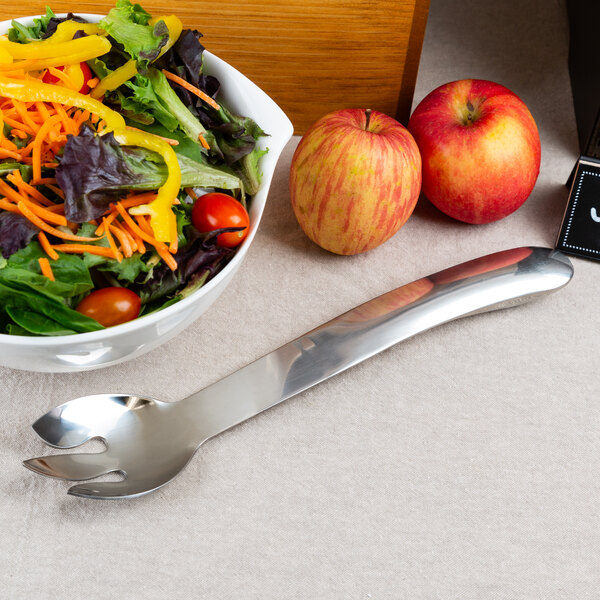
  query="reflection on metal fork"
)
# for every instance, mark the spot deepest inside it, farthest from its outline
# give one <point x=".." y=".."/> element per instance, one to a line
<point x="150" y="441"/>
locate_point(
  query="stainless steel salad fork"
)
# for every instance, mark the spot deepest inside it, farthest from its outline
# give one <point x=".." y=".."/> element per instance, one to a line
<point x="149" y="442"/>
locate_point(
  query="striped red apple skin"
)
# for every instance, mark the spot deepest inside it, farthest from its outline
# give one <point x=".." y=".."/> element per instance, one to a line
<point x="355" y="179"/>
<point x="480" y="149"/>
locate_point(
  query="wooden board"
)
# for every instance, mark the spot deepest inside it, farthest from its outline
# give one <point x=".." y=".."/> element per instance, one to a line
<point x="310" y="56"/>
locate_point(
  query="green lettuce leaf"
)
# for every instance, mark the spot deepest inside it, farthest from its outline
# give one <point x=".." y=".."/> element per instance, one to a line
<point x="72" y="277"/>
<point x="23" y="35"/>
<point x="128" y="25"/>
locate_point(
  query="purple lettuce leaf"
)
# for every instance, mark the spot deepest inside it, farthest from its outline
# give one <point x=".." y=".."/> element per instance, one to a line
<point x="15" y="232"/>
<point x="93" y="173"/>
<point x="198" y="258"/>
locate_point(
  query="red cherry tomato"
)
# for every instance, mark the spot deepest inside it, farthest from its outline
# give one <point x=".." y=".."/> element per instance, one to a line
<point x="216" y="211"/>
<point x="111" y="306"/>
<point x="87" y="75"/>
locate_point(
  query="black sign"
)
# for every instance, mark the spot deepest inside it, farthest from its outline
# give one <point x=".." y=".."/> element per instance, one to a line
<point x="580" y="230"/>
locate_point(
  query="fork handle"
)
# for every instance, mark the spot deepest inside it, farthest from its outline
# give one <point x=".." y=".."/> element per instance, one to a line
<point x="496" y="281"/>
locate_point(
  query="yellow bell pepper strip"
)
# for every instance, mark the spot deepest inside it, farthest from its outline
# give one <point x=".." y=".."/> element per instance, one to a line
<point x="115" y="79"/>
<point x="75" y="78"/>
<point x="93" y="44"/>
<point x="162" y="218"/>
<point x="5" y="56"/>
<point x="35" y="91"/>
<point x="67" y="29"/>
<point x="175" y="27"/>
<point x="125" y="72"/>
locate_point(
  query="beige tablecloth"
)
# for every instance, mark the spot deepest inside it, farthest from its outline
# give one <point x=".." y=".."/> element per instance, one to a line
<point x="461" y="464"/>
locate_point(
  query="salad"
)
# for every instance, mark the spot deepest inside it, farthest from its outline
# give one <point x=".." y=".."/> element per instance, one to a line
<point x="124" y="181"/>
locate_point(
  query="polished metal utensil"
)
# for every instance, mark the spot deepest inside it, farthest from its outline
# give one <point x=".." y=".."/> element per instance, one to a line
<point x="149" y="441"/>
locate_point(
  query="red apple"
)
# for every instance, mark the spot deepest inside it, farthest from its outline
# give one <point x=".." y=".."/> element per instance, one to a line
<point x="354" y="180"/>
<point x="480" y="148"/>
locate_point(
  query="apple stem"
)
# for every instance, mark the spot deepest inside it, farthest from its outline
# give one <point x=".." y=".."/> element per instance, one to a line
<point x="368" y="112"/>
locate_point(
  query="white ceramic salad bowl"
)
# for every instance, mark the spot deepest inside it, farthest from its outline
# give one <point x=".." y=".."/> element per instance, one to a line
<point x="86" y="351"/>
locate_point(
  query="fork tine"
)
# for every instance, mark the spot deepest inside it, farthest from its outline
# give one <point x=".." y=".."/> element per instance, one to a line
<point x="74" y="467"/>
<point x="109" y="490"/>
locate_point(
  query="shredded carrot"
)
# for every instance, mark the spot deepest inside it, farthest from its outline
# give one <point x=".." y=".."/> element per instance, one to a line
<point x="26" y="151"/>
<point x="46" y="215"/>
<point x="81" y="248"/>
<point x="47" y="246"/>
<point x="68" y="124"/>
<point x="63" y="77"/>
<point x="4" y="142"/>
<point x="18" y="125"/>
<point x="121" y="225"/>
<point x="9" y="192"/>
<point x="174" y="245"/>
<point x="105" y="221"/>
<point x="143" y="224"/>
<point x="138" y="199"/>
<point x="161" y="248"/>
<point x="4" y="153"/>
<point x="203" y="141"/>
<point x="37" y="146"/>
<point x="167" y="257"/>
<point x="80" y="117"/>
<point x="191" y="193"/>
<point x="43" y="110"/>
<point x="123" y="240"/>
<point x="45" y="113"/>
<point x="147" y="237"/>
<point x="111" y="241"/>
<point x="46" y="268"/>
<point x="47" y="180"/>
<point x="141" y="248"/>
<point x="93" y="82"/>
<point x="57" y="208"/>
<point x="191" y="88"/>
<point x="26" y="210"/>
<point x="56" y="190"/>
<point x="6" y="205"/>
<point x="16" y="179"/>
<point x="22" y="112"/>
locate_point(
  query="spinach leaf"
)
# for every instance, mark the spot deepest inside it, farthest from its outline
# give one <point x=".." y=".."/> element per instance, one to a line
<point x="52" y="307"/>
<point x="72" y="277"/>
<point x="36" y="323"/>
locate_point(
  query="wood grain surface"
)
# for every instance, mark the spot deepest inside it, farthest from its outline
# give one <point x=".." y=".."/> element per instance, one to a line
<point x="310" y="56"/>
